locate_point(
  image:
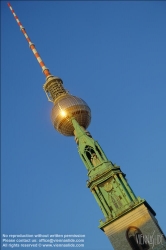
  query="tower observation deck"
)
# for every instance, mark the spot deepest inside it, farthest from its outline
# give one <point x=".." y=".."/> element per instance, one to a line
<point x="128" y="218"/>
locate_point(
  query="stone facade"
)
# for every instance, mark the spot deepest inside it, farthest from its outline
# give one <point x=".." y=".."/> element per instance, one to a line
<point x="140" y="218"/>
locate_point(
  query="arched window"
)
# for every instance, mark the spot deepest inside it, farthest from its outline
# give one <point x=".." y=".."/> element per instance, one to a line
<point x="91" y="155"/>
<point x="136" y="239"/>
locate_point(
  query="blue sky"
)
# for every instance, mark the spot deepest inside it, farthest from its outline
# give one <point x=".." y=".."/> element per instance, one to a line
<point x="112" y="54"/>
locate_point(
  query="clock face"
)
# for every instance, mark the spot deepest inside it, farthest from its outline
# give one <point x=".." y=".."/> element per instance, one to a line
<point x="107" y="186"/>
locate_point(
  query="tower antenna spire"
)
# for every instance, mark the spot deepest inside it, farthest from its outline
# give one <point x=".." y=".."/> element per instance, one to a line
<point x="45" y="70"/>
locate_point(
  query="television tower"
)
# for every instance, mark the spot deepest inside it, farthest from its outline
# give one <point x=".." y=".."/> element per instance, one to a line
<point x="129" y="220"/>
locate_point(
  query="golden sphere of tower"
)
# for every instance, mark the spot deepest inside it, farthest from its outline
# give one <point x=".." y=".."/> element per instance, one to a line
<point x="68" y="106"/>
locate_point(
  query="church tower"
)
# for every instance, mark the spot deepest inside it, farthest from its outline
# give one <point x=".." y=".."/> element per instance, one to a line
<point x="130" y="222"/>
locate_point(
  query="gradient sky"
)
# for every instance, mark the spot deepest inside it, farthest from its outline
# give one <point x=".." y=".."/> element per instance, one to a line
<point x="111" y="54"/>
